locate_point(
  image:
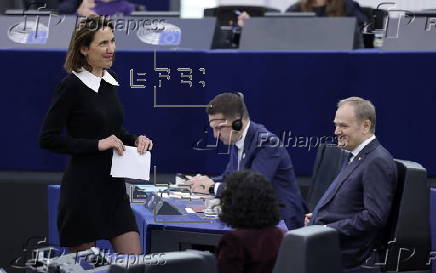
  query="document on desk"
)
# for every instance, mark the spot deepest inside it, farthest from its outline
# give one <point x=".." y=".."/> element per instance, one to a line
<point x="131" y="164"/>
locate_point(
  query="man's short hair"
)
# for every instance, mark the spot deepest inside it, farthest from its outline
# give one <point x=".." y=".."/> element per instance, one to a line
<point x="363" y="109"/>
<point x="231" y="105"/>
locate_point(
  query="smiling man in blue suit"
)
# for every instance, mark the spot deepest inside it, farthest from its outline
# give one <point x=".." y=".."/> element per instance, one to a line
<point x="358" y="201"/>
<point x="252" y="147"/>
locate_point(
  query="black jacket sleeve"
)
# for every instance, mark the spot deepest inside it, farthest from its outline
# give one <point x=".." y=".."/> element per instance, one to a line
<point x="126" y="137"/>
<point x="51" y="137"/>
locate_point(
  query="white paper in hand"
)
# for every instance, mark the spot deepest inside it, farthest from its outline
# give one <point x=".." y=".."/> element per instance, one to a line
<point x="131" y="164"/>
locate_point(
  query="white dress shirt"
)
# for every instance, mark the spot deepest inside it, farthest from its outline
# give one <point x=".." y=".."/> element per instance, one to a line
<point x="240" y="145"/>
<point x="359" y="148"/>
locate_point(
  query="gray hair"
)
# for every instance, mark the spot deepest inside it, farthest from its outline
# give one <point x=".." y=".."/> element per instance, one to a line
<point x="363" y="109"/>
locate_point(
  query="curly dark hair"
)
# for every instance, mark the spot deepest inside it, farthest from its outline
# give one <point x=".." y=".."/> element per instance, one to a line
<point x="248" y="201"/>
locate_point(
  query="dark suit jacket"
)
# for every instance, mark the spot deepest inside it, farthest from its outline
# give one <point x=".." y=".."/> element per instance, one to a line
<point x="249" y="250"/>
<point x="359" y="206"/>
<point x="264" y="154"/>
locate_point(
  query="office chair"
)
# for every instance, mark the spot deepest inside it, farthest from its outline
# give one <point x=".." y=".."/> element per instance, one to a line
<point x="328" y="162"/>
<point x="433" y="224"/>
<point x="405" y="243"/>
<point x="311" y="249"/>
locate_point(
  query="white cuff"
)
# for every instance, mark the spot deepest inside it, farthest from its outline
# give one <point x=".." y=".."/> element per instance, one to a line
<point x="217" y="184"/>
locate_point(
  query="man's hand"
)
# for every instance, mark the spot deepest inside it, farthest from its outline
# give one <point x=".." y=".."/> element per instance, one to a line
<point x="200" y="184"/>
<point x="307" y="219"/>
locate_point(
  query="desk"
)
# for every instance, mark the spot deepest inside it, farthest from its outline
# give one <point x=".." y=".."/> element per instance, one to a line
<point x="162" y="233"/>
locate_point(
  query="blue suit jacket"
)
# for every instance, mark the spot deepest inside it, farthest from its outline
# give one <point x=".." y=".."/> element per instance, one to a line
<point x="359" y="206"/>
<point x="264" y="154"/>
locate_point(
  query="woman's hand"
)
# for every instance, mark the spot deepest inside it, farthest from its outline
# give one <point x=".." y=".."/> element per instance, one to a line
<point x="144" y="144"/>
<point x="111" y="142"/>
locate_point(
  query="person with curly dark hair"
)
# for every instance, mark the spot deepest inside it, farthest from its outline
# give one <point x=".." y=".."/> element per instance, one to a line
<point x="249" y="205"/>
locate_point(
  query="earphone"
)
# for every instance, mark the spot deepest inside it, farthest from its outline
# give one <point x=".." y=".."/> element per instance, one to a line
<point x="237" y="124"/>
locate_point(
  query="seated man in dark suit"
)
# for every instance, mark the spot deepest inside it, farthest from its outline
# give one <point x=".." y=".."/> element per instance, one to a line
<point x="252" y="147"/>
<point x="358" y="201"/>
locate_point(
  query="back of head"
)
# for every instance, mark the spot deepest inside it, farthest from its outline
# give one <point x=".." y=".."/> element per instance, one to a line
<point x="230" y="105"/>
<point x="249" y="201"/>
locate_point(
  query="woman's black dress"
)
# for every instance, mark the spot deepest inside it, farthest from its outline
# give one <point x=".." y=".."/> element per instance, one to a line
<point x="92" y="205"/>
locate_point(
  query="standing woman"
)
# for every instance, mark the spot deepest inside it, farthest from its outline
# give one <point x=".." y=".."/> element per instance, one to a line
<point x="92" y="205"/>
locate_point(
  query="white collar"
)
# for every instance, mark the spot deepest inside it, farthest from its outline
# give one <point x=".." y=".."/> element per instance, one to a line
<point x="240" y="142"/>
<point x="93" y="81"/>
<point x="362" y="145"/>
